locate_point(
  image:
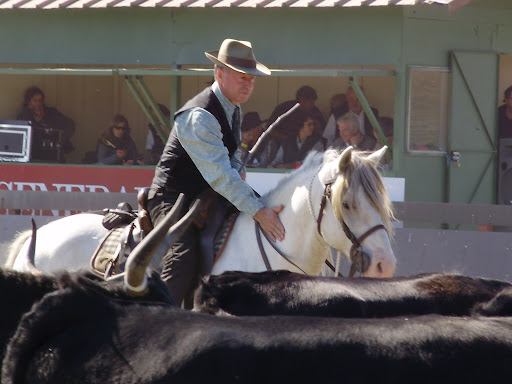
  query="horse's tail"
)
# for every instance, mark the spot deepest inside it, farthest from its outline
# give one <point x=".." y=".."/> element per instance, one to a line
<point x="14" y="247"/>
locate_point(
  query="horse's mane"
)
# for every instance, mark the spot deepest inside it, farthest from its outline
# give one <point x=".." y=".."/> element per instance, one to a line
<point x="361" y="173"/>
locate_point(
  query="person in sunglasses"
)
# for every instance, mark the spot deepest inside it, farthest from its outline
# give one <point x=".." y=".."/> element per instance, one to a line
<point x="115" y="146"/>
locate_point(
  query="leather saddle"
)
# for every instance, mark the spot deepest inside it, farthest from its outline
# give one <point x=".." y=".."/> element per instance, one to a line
<point x="127" y="228"/>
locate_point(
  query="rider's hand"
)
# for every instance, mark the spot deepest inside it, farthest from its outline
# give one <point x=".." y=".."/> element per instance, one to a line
<point x="269" y="221"/>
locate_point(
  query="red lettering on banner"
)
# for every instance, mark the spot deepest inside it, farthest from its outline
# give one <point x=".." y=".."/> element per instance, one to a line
<point x="39" y="177"/>
<point x="73" y="178"/>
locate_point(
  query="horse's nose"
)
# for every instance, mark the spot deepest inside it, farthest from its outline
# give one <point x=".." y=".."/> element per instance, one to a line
<point x="385" y="269"/>
<point x="383" y="264"/>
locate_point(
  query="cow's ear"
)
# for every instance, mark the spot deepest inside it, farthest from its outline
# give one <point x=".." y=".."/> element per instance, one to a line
<point x="377" y="156"/>
<point x="345" y="159"/>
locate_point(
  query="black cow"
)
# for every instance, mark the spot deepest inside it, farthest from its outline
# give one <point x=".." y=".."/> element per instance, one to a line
<point x="79" y="335"/>
<point x="21" y="290"/>
<point x="499" y="305"/>
<point x="288" y="293"/>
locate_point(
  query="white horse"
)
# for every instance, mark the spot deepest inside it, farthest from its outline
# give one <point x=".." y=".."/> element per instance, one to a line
<point x="328" y="192"/>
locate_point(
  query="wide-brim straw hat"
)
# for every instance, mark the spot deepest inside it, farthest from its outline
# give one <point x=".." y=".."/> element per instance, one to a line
<point x="238" y="56"/>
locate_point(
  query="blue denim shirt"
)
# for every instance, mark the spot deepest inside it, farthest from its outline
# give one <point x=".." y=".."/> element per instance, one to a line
<point x="200" y="135"/>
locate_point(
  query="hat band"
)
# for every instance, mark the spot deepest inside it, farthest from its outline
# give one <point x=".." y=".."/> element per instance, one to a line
<point x="236" y="61"/>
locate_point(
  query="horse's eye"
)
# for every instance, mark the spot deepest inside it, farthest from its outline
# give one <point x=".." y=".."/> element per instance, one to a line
<point x="346" y="206"/>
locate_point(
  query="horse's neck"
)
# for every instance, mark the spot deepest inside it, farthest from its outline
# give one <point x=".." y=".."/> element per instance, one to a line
<point x="302" y="242"/>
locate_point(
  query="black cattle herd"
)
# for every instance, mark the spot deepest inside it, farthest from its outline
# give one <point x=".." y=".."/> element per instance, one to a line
<point x="268" y="327"/>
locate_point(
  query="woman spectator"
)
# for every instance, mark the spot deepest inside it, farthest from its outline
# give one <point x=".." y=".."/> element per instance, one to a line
<point x="115" y="146"/>
<point x="294" y="149"/>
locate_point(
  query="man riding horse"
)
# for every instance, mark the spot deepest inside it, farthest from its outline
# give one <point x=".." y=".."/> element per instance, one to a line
<point x="202" y="153"/>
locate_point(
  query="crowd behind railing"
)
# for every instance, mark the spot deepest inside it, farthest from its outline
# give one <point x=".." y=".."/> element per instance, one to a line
<point x="306" y="129"/>
<point x="287" y="145"/>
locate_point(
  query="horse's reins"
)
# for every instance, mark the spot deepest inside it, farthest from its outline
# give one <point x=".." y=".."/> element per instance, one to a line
<point x="252" y="152"/>
<point x="262" y="250"/>
<point x="264" y="256"/>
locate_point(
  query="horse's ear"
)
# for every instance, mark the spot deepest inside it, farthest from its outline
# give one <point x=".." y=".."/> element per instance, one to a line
<point x="377" y="156"/>
<point x="345" y="158"/>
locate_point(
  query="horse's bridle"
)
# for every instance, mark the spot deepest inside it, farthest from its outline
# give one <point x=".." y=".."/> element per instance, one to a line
<point x="360" y="260"/>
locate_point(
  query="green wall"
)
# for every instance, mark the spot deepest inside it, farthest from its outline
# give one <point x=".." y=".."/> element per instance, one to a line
<point x="372" y="36"/>
<point x="104" y="36"/>
<point x="162" y="36"/>
<point x="428" y="38"/>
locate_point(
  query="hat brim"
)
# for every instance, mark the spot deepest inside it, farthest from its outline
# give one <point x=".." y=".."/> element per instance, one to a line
<point x="260" y="70"/>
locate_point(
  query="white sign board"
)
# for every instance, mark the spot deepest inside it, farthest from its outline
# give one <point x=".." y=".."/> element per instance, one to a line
<point x="262" y="182"/>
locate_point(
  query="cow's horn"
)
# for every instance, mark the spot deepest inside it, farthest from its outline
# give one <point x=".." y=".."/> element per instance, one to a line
<point x="140" y="257"/>
<point x="135" y="276"/>
<point x="32" y="250"/>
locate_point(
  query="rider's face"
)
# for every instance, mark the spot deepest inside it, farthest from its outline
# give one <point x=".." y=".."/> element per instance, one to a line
<point x="236" y="86"/>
